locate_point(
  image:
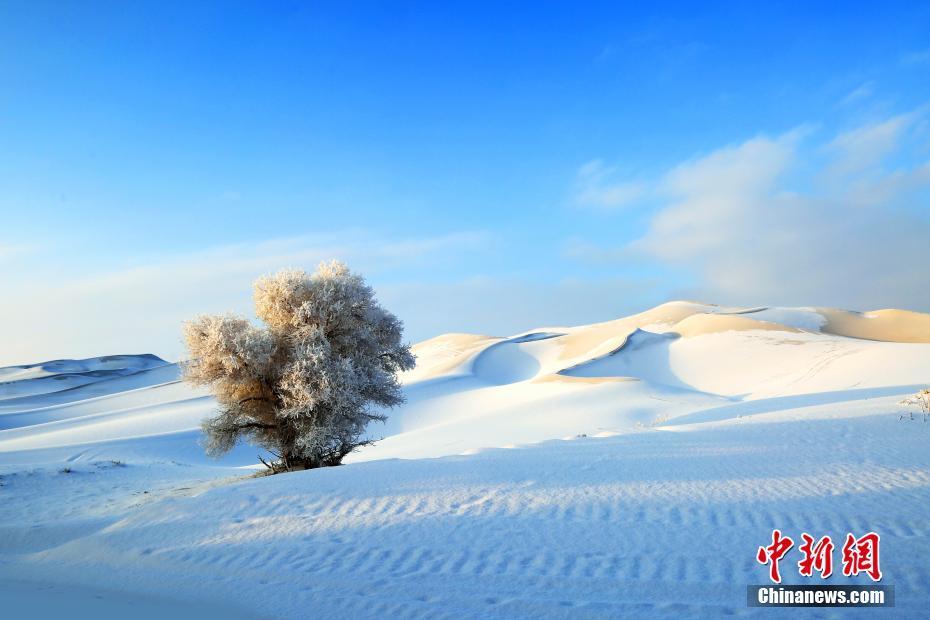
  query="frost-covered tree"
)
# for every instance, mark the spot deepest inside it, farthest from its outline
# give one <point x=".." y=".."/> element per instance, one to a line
<point x="306" y="385"/>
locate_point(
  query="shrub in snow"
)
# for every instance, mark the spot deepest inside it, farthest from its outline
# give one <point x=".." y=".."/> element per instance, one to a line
<point x="303" y="385"/>
<point x="921" y="400"/>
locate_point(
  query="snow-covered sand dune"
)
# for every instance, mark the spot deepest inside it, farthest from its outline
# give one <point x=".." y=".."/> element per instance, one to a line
<point x="626" y="468"/>
<point x="21" y="382"/>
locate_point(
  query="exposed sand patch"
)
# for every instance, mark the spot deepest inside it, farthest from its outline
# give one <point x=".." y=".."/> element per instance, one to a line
<point x="454" y="354"/>
<point x="883" y="325"/>
<point x="595" y="340"/>
<point x="445" y="353"/>
<point x="702" y="324"/>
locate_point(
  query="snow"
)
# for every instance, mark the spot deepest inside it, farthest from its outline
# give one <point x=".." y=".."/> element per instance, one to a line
<point x="619" y="469"/>
<point x="60" y="375"/>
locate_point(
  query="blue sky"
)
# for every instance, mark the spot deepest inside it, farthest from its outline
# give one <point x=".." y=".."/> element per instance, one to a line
<point x="490" y="167"/>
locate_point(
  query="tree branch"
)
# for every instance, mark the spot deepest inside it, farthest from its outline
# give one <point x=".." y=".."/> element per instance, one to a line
<point x="255" y="425"/>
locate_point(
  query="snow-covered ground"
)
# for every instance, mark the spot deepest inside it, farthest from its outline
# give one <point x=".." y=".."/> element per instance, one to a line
<point x="629" y="468"/>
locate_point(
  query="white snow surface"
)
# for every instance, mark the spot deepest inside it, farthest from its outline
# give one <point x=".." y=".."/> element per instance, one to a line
<point x="626" y="469"/>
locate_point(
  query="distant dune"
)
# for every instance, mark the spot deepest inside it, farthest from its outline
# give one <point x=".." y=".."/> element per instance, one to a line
<point x="881" y="325"/>
<point x="59" y="375"/>
<point x="525" y="388"/>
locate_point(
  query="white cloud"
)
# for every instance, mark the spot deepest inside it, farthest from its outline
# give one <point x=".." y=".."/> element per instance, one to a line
<point x="767" y="222"/>
<point x="863" y="91"/>
<point x="710" y="196"/>
<point x="139" y="308"/>
<point x="596" y="186"/>
<point x="864" y="147"/>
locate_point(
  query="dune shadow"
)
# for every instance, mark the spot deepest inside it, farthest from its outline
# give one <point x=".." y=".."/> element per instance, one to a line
<point x="779" y="403"/>
<point x="508" y="362"/>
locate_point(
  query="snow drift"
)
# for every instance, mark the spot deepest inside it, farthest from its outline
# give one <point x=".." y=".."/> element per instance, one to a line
<point x="644" y="461"/>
